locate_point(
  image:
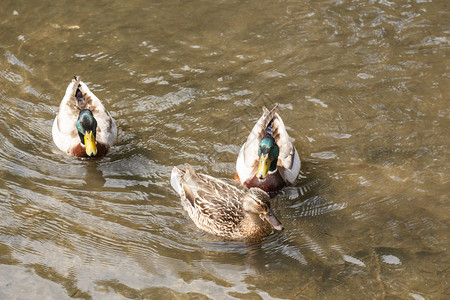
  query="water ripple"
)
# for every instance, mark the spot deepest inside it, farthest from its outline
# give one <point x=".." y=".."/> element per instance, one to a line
<point x="361" y="87"/>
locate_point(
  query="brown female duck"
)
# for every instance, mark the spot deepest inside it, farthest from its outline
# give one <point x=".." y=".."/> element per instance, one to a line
<point x="222" y="209"/>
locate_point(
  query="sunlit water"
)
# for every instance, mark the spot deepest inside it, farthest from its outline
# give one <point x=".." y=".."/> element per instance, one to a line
<point x="363" y="89"/>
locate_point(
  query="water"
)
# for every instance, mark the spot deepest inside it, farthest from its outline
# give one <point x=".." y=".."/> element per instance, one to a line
<point x="363" y="89"/>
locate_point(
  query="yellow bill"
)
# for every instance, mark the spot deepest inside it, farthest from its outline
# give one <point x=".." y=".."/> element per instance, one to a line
<point x="264" y="165"/>
<point x="89" y="143"/>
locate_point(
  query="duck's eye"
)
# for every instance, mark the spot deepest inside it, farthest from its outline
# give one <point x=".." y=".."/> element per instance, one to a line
<point x="262" y="205"/>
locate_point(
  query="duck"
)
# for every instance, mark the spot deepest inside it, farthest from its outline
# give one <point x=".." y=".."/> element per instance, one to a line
<point x="268" y="160"/>
<point x="222" y="209"/>
<point x="83" y="127"/>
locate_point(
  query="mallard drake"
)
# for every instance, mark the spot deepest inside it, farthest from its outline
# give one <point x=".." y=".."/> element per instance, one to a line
<point x="268" y="159"/>
<point x="222" y="209"/>
<point x="83" y="127"/>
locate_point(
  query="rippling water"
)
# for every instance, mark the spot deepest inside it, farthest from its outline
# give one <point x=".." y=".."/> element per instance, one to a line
<point x="363" y="89"/>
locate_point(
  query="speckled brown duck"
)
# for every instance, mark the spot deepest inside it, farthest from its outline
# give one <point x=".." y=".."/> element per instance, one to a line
<point x="222" y="209"/>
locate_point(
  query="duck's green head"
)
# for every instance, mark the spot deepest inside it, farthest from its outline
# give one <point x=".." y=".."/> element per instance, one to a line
<point x="87" y="130"/>
<point x="268" y="156"/>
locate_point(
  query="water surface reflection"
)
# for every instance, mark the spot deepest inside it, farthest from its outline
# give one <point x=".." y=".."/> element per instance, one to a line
<point x="362" y="89"/>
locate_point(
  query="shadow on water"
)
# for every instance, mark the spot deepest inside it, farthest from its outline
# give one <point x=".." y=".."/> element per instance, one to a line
<point x="94" y="179"/>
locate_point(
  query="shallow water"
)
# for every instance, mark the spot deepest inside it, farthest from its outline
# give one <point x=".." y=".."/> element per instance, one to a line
<point x="363" y="89"/>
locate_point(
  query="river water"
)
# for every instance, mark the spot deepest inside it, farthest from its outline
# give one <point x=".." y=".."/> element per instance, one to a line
<point x="363" y="88"/>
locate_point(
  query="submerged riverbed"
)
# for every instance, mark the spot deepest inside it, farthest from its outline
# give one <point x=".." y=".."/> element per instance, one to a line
<point x="363" y="90"/>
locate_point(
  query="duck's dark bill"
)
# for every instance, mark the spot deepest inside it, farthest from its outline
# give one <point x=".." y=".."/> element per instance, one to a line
<point x="272" y="219"/>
